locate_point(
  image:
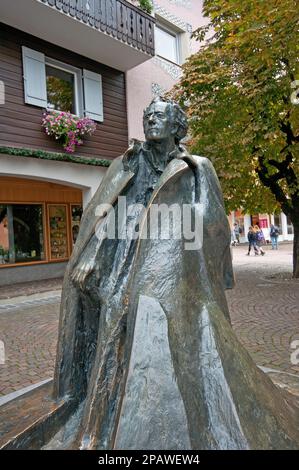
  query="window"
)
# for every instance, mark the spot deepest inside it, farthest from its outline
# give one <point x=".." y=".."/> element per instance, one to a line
<point x="290" y="226"/>
<point x="277" y="222"/>
<point x="240" y="221"/>
<point x="58" y="231"/>
<point x="167" y="44"/>
<point x="51" y="84"/>
<point x="60" y="90"/>
<point x="21" y="233"/>
<point x="64" y="87"/>
<point x="76" y="212"/>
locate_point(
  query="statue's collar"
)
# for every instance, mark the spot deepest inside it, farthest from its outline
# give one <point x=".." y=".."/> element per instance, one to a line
<point x="137" y="147"/>
<point x="180" y="152"/>
<point x="176" y="153"/>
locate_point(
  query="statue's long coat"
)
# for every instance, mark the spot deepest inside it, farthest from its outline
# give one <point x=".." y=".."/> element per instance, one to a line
<point x="165" y="370"/>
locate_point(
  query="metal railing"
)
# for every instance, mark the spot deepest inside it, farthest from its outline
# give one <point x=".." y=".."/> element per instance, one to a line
<point x="118" y="18"/>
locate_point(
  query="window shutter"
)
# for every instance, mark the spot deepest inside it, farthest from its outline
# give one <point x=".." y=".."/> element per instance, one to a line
<point x="93" y="95"/>
<point x="34" y="77"/>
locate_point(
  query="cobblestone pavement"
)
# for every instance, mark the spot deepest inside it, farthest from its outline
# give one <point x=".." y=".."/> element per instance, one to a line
<point x="28" y="330"/>
<point x="28" y="288"/>
<point x="264" y="309"/>
<point x="264" y="306"/>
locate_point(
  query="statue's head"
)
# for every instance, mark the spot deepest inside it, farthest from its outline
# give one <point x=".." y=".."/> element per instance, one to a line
<point x="164" y="119"/>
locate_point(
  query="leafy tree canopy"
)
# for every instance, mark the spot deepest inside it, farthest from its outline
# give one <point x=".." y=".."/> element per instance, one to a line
<point x="244" y="113"/>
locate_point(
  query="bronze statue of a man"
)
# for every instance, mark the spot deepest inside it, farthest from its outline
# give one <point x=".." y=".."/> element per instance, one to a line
<point x="146" y="351"/>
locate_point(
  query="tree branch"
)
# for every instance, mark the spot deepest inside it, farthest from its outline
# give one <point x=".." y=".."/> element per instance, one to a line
<point x="287" y="172"/>
<point x="286" y="128"/>
<point x="271" y="182"/>
<point x="286" y="62"/>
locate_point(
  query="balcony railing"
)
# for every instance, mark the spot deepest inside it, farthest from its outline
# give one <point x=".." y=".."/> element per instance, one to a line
<point x="116" y="18"/>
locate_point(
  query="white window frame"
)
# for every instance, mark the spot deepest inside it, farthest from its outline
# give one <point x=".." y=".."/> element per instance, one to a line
<point x="88" y="89"/>
<point x="176" y="35"/>
<point x="77" y="82"/>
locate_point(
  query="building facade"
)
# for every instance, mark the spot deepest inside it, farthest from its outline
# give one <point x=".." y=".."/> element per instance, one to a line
<point x="102" y="59"/>
<point x="94" y="58"/>
<point x="175" y="22"/>
<point x="280" y="220"/>
<point x="65" y="56"/>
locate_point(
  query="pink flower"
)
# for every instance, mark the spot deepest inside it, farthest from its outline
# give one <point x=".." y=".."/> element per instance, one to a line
<point x="70" y="128"/>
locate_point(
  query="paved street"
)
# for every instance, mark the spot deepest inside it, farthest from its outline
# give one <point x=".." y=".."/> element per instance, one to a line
<point x="29" y="332"/>
<point x="264" y="306"/>
<point x="264" y="309"/>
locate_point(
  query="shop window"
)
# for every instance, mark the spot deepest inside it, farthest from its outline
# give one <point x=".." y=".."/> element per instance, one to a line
<point x="21" y="233"/>
<point x="290" y="226"/>
<point x="263" y="222"/>
<point x="167" y="44"/>
<point x="277" y="222"/>
<point x="4" y="237"/>
<point x="240" y="221"/>
<point x="255" y="220"/>
<point x="58" y="231"/>
<point x="76" y="212"/>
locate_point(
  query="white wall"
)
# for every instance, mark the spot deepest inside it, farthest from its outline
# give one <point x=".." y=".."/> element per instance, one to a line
<point x="183" y="16"/>
<point x="85" y="177"/>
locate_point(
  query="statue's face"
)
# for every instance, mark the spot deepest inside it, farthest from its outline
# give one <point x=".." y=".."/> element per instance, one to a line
<point x="157" y="123"/>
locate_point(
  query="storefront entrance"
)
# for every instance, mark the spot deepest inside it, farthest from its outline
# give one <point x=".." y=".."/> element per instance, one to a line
<point x="39" y="221"/>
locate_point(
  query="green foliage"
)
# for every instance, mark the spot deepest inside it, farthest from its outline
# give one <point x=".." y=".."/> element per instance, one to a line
<point x="146" y="5"/>
<point x="62" y="157"/>
<point x="238" y="88"/>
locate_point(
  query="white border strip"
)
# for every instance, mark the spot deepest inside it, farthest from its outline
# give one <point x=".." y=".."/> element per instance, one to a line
<point x="11" y="396"/>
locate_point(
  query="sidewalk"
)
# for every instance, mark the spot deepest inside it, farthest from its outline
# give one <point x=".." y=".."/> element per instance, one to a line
<point x="28" y="288"/>
<point x="264" y="308"/>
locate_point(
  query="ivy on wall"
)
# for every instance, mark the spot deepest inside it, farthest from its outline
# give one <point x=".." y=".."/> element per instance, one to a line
<point x="61" y="157"/>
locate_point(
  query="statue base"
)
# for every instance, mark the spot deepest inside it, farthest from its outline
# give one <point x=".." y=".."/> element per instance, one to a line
<point x="31" y="420"/>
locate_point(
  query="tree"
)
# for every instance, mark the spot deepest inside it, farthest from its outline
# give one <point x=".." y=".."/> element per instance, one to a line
<point x="240" y="90"/>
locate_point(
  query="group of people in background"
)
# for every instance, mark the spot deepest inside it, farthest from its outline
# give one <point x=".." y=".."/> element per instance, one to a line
<point x="256" y="238"/>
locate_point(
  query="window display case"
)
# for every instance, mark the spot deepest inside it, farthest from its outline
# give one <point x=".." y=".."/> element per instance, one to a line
<point x="21" y="233"/>
<point x="39" y="223"/>
<point x="58" y="231"/>
<point x="76" y="214"/>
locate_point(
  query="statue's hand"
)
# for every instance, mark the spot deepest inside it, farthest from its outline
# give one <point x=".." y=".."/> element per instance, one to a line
<point x="81" y="271"/>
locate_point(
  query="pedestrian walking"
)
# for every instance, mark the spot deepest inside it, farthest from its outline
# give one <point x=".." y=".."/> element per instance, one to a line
<point x="233" y="238"/>
<point x="251" y="235"/>
<point x="237" y="230"/>
<point x="260" y="239"/>
<point x="274" y="234"/>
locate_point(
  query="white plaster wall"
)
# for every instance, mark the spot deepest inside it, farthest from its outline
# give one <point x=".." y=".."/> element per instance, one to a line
<point x="284" y="228"/>
<point x="85" y="177"/>
<point x="140" y="79"/>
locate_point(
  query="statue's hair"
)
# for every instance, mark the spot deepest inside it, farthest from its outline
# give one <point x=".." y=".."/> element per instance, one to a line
<point x="176" y="113"/>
